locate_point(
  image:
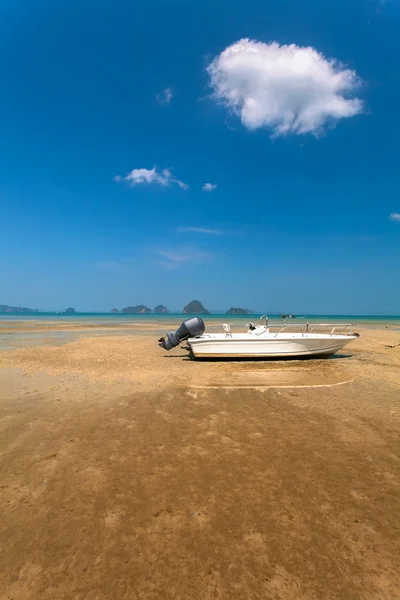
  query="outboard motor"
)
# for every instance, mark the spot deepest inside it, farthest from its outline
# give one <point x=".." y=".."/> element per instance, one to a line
<point x="189" y="328"/>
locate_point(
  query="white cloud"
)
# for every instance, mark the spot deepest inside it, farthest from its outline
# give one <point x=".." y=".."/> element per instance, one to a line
<point x="147" y="176"/>
<point x="165" y="96"/>
<point x="108" y="264"/>
<point x="199" y="230"/>
<point x="173" y="258"/>
<point x="183" y="186"/>
<point x="288" y="89"/>
<point x="209" y="187"/>
<point x="381" y="5"/>
<point x="394" y="216"/>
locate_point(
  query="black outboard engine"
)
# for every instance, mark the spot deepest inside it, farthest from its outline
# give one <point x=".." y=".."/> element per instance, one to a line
<point x="189" y="328"/>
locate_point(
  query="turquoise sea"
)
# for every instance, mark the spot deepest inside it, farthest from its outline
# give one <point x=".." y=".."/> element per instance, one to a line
<point x="108" y="318"/>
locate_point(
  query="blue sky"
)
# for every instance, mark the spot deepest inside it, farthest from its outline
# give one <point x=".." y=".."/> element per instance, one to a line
<point x="114" y="115"/>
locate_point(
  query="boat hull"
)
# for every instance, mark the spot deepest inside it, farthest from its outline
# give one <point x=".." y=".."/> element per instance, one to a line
<point x="267" y="347"/>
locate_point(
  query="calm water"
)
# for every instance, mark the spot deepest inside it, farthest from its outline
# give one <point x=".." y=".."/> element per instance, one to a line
<point x="108" y="318"/>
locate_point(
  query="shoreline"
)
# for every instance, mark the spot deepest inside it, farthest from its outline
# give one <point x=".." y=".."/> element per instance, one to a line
<point x="143" y="322"/>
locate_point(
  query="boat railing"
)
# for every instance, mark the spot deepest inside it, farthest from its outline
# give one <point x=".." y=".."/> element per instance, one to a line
<point x="309" y="327"/>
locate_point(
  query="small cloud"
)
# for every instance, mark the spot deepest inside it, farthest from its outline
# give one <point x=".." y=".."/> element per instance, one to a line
<point x="165" y="96"/>
<point x="199" y="230"/>
<point x="147" y="176"/>
<point x="380" y="7"/>
<point x="108" y="264"/>
<point x="394" y="217"/>
<point x="174" y="258"/>
<point x="209" y="187"/>
<point x="183" y="186"/>
<point x="287" y="89"/>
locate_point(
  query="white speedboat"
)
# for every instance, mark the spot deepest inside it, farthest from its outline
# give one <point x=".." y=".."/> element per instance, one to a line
<point x="261" y="341"/>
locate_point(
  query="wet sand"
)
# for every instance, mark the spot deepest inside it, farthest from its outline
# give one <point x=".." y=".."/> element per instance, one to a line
<point x="130" y="473"/>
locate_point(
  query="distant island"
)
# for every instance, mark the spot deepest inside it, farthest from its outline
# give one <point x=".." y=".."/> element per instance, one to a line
<point x="140" y="309"/>
<point x="4" y="308"/>
<point x="239" y="311"/>
<point x="195" y="307"/>
<point x="69" y="311"/>
<point x="160" y="310"/>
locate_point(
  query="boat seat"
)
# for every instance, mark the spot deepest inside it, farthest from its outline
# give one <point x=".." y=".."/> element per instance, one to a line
<point x="227" y="329"/>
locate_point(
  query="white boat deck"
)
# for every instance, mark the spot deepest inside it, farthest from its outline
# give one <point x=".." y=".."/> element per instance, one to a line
<point x="264" y="341"/>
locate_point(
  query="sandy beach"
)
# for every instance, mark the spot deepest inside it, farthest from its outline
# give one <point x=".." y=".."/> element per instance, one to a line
<point x="130" y="473"/>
